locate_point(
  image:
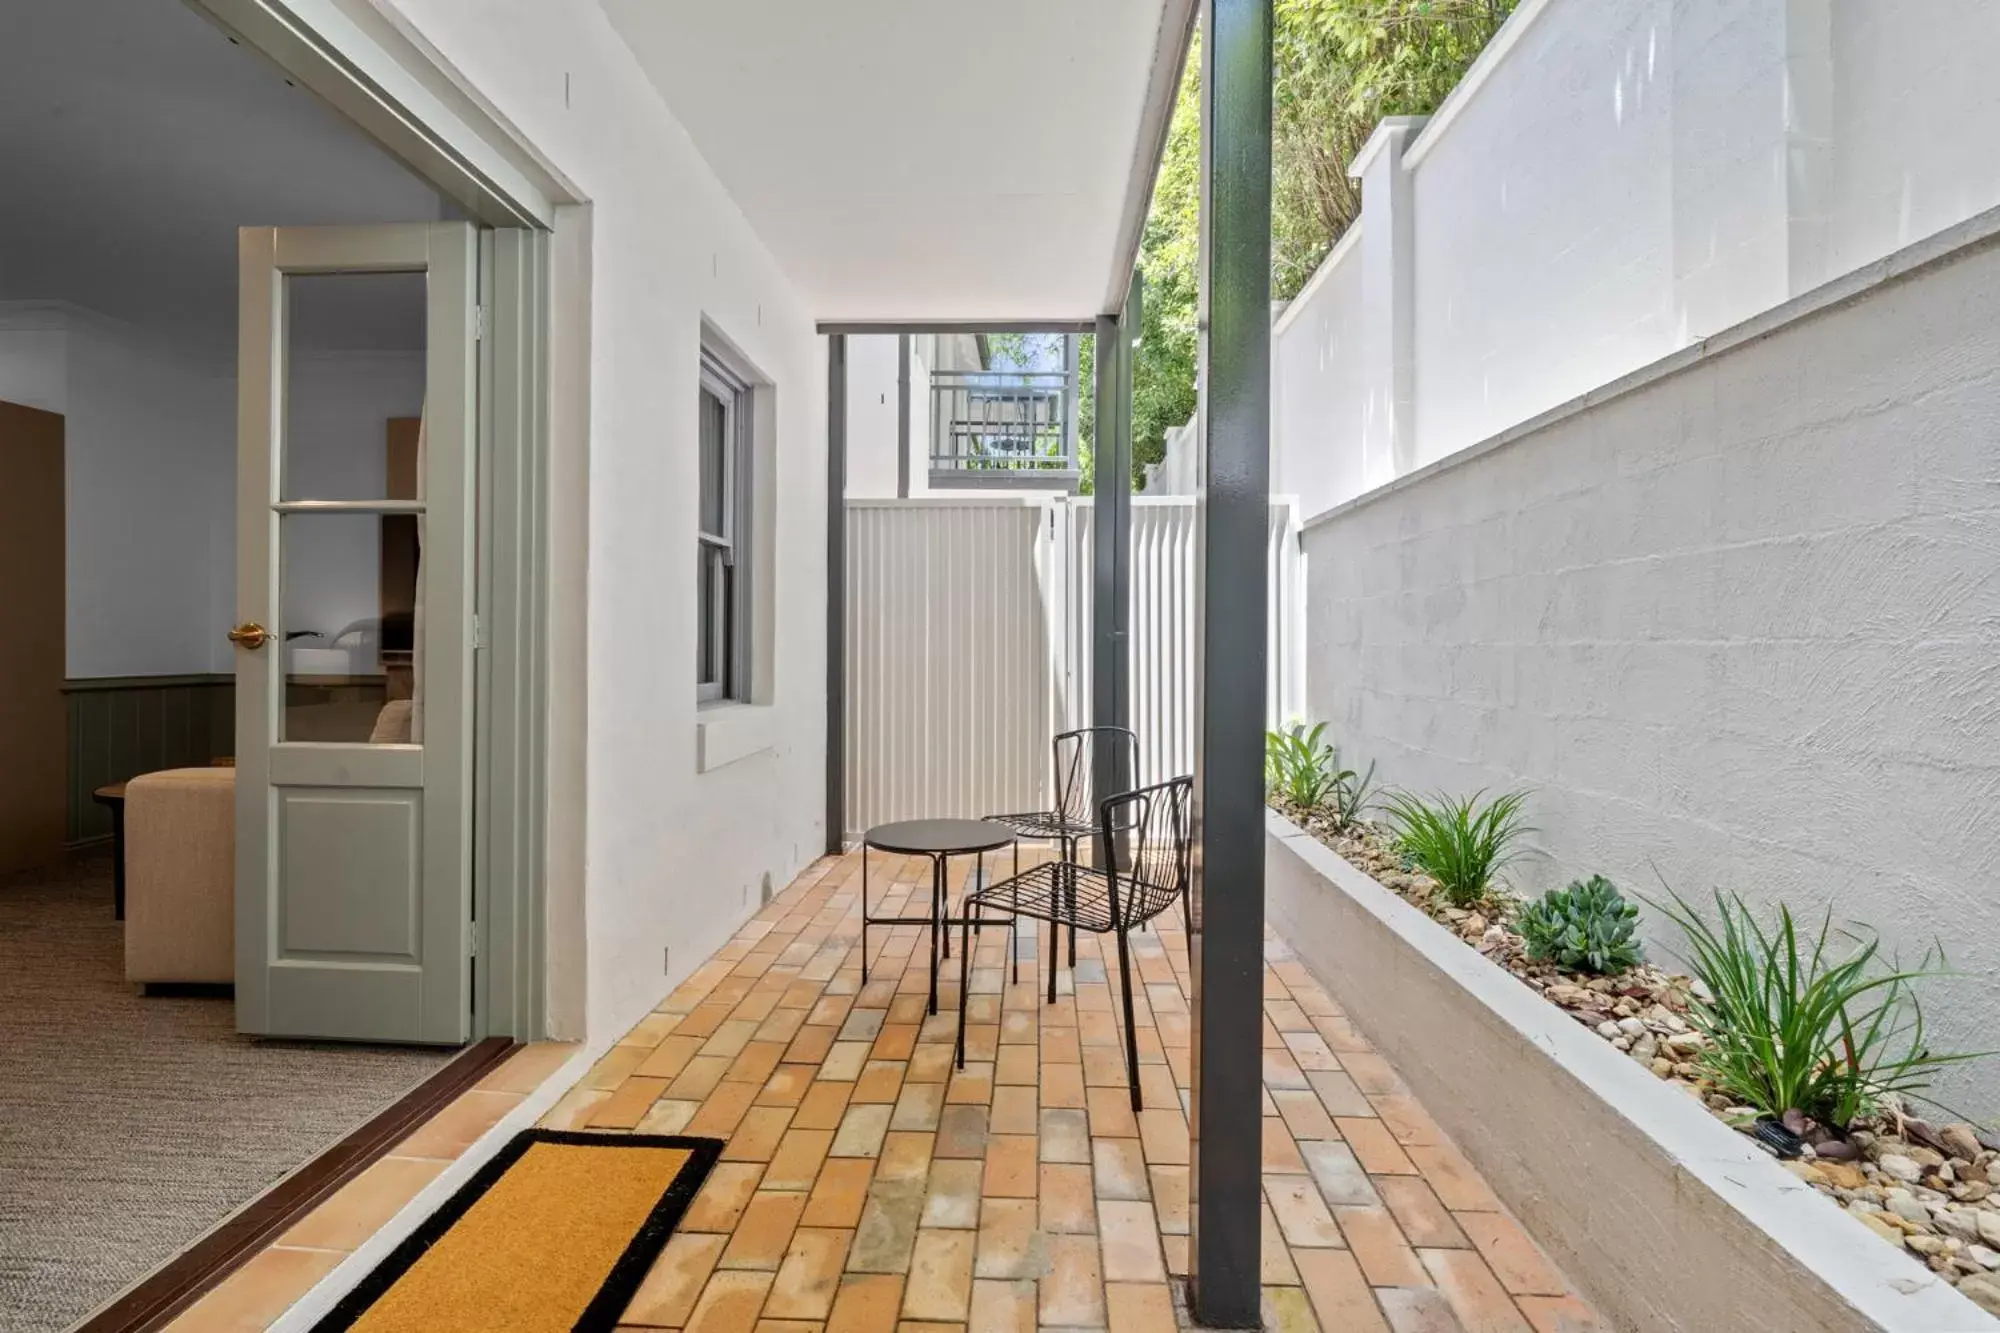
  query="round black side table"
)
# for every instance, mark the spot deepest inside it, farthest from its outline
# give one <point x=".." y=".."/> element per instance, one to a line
<point x="940" y="840"/>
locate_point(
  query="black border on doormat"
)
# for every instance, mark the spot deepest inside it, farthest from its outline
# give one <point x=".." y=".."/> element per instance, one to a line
<point x="620" y="1284"/>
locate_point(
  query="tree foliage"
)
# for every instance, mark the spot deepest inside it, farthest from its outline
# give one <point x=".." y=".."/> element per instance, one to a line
<point x="1339" y="66"/>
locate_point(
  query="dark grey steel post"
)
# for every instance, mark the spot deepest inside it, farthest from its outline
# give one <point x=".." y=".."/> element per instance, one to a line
<point x="836" y="593"/>
<point x="902" y="416"/>
<point x="1228" y="945"/>
<point x="1111" y="547"/>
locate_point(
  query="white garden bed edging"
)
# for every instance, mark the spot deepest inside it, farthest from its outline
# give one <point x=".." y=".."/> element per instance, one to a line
<point x="1664" y="1217"/>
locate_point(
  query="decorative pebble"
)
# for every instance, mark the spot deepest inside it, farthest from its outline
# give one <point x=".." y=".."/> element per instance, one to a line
<point x="1901" y="1168"/>
<point x="1925" y="1190"/>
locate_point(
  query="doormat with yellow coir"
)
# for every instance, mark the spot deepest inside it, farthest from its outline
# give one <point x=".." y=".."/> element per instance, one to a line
<point x="554" y="1234"/>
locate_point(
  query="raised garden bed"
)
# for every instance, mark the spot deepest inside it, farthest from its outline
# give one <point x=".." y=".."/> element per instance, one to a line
<point x="1666" y="1216"/>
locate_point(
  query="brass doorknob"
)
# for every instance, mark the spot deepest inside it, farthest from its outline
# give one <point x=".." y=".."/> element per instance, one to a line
<point x="250" y="635"/>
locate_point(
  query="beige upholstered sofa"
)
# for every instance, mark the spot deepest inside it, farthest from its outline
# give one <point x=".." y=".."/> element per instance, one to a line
<point x="180" y="876"/>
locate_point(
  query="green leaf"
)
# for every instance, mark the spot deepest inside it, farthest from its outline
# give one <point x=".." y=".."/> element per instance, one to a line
<point x="1796" y="1021"/>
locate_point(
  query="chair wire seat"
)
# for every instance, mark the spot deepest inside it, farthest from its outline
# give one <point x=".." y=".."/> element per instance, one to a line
<point x="1050" y="825"/>
<point x="1071" y="894"/>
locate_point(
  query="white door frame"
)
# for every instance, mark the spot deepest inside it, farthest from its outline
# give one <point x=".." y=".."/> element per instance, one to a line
<point x="533" y="518"/>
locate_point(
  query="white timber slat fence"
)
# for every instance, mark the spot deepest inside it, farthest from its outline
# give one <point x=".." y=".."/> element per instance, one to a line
<point x="969" y="647"/>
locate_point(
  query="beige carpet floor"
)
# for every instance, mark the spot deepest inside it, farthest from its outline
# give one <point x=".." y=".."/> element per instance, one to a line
<point x="130" y="1125"/>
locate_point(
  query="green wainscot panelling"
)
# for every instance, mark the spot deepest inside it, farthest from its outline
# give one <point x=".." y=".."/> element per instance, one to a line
<point x="122" y="726"/>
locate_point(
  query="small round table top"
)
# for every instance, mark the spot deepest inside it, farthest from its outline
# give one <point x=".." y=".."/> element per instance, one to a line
<point x="109" y="794"/>
<point x="934" y="837"/>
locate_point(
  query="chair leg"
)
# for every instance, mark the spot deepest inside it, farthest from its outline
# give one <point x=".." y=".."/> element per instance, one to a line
<point x="942" y="907"/>
<point x="1014" y="921"/>
<point x="1055" y="947"/>
<point x="964" y="984"/>
<point x="1072" y="912"/>
<point x="1131" y="1031"/>
<point x="1187" y="919"/>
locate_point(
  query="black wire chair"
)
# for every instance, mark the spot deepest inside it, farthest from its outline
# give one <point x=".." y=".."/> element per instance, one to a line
<point x="1074" y="754"/>
<point x="1146" y="834"/>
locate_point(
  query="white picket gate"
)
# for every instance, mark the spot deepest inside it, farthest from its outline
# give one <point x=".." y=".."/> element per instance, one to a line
<point x="968" y="646"/>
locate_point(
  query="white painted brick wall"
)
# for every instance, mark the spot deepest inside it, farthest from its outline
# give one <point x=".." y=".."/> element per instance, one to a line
<point x="1739" y="626"/>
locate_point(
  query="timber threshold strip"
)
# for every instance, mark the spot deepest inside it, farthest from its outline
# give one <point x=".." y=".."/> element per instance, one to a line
<point x="178" y="1283"/>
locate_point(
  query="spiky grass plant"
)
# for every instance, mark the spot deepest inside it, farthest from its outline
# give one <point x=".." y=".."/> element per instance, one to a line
<point x="1461" y="844"/>
<point x="1814" y="1021"/>
<point x="1351" y="796"/>
<point x="1301" y="768"/>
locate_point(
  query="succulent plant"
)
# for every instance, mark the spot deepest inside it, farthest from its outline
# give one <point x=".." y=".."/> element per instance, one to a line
<point x="1587" y="927"/>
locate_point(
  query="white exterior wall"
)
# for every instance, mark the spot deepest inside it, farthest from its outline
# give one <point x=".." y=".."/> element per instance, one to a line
<point x="1616" y="179"/>
<point x="673" y="858"/>
<point x="872" y="413"/>
<point x="872" y="429"/>
<point x="1320" y="392"/>
<point x="1915" y="113"/>
<point x="1739" y="625"/>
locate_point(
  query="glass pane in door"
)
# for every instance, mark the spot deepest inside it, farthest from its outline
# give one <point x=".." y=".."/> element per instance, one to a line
<point x="354" y="385"/>
<point x="347" y="623"/>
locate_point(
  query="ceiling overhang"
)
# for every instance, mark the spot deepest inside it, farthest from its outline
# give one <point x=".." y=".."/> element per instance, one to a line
<point x="948" y="162"/>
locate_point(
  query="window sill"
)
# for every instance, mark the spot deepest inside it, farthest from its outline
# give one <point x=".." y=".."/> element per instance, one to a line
<point x="727" y="732"/>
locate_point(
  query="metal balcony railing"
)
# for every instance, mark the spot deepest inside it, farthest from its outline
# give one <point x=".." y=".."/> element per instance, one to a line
<point x="1002" y="427"/>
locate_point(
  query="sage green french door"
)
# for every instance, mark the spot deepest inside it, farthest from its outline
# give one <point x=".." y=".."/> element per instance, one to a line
<point x="357" y="376"/>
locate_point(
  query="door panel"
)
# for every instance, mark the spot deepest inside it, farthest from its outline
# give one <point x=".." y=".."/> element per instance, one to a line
<point x="354" y="737"/>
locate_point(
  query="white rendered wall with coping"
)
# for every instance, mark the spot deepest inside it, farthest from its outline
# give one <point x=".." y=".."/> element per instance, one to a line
<point x="672" y="859"/>
<point x="1734" y="620"/>
<point x="1630" y="1184"/>
<point x="1616" y="179"/>
<point x="1322" y="399"/>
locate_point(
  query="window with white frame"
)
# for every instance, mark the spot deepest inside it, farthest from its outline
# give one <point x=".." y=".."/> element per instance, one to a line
<point x="722" y="647"/>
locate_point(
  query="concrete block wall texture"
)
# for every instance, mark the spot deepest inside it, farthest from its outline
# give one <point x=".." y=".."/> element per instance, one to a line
<point x="1736" y="622"/>
<point x="1617" y="179"/>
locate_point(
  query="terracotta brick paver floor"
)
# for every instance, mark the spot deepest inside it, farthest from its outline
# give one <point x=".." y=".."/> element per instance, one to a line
<point x="868" y="1185"/>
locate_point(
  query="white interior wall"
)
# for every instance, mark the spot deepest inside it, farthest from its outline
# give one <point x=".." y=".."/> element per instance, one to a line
<point x="34" y="357"/>
<point x="150" y="463"/>
<point x="150" y="458"/>
<point x="150" y="439"/>
<point x="673" y="859"/>
<point x="1739" y="627"/>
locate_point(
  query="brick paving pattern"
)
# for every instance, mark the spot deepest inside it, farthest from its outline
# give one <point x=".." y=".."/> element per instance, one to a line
<point x="868" y="1185"/>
